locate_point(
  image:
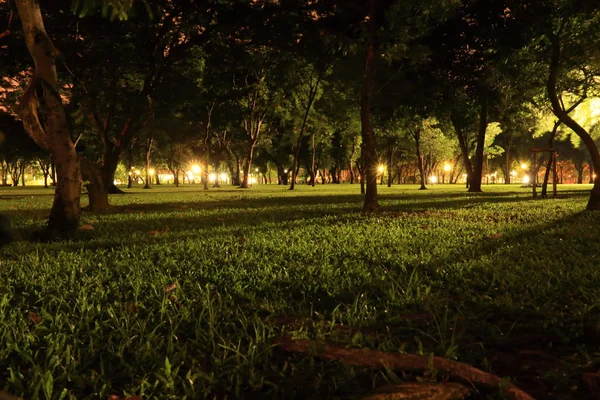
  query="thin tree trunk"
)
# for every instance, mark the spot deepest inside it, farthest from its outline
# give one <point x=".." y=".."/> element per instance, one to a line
<point x="475" y="183"/>
<point x="148" y="153"/>
<point x="368" y="135"/>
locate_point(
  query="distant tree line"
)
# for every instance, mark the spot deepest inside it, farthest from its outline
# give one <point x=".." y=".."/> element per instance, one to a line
<point x="314" y="91"/>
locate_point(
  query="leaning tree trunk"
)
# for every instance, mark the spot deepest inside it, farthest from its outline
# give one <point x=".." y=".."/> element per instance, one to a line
<point x="54" y="135"/>
<point x="368" y="135"/>
<point x="563" y="116"/>
<point x="475" y="183"/>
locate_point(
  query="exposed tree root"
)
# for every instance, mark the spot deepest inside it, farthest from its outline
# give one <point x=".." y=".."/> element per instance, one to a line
<point x="420" y="390"/>
<point x="407" y="362"/>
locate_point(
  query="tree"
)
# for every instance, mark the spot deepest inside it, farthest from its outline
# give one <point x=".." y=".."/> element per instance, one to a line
<point x="51" y="132"/>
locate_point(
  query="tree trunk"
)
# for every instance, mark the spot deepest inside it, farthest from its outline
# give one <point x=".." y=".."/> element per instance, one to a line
<point x="544" y="193"/>
<point x="420" y="163"/>
<point x="97" y="193"/>
<point x="361" y="169"/>
<point x="368" y="135"/>
<point x="247" y="165"/>
<point x="54" y="135"/>
<point x="563" y="116"/>
<point x="475" y="183"/>
<point x="464" y="150"/>
<point x="148" y="153"/>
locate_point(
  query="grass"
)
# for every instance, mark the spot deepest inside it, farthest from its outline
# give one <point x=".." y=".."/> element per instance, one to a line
<point x="179" y="293"/>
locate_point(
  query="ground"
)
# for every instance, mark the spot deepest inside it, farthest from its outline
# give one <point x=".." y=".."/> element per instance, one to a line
<point x="181" y="292"/>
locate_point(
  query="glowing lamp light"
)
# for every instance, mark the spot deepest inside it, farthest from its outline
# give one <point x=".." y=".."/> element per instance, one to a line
<point x="523" y="166"/>
<point x="513" y="173"/>
<point x="195" y="169"/>
<point x="594" y="176"/>
<point x="380" y="169"/>
<point x="526" y="179"/>
<point x="433" y="179"/>
<point x="252" y="181"/>
<point x="256" y="170"/>
<point x="129" y="173"/>
<point x="137" y="171"/>
<point x="190" y="174"/>
<point x="223" y="177"/>
<point x="447" y="167"/>
<point x="285" y="171"/>
<point x="151" y="172"/>
<point x="212" y="177"/>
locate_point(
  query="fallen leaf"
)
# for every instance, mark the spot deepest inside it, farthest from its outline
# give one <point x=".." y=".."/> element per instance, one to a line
<point x="35" y="318"/>
<point x="131" y="307"/>
<point x="171" y="287"/>
<point x="173" y="300"/>
<point x="495" y="236"/>
<point x="86" y="227"/>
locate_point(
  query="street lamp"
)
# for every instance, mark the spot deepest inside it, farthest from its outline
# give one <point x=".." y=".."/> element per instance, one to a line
<point x="524" y="166"/>
<point x="447" y="167"/>
<point x="380" y="169"/>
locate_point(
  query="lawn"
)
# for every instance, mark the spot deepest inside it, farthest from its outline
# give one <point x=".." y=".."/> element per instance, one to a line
<point x="181" y="293"/>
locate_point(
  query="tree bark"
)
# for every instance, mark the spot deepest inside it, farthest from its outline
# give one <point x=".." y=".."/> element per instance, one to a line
<point x="368" y="135"/>
<point x="563" y="116"/>
<point x="464" y="150"/>
<point x="97" y="193"/>
<point x="247" y="165"/>
<point x="420" y="163"/>
<point x="475" y="183"/>
<point x="148" y="153"/>
<point x="54" y="135"/>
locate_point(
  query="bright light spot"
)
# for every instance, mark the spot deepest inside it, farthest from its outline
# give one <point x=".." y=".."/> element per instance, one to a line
<point x="151" y="172"/>
<point x="212" y="177"/>
<point x="252" y="181"/>
<point x="196" y="169"/>
<point x="256" y="170"/>
<point x="594" y="176"/>
<point x="190" y="174"/>
<point x="525" y="179"/>
<point x="523" y="166"/>
<point x="465" y="176"/>
<point x="285" y="171"/>
<point x="433" y="179"/>
<point x="223" y="177"/>
<point x="380" y="169"/>
<point x="137" y="171"/>
<point x="447" y="167"/>
<point x="513" y="173"/>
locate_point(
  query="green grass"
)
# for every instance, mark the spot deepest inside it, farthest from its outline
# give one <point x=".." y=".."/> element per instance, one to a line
<point x="430" y="274"/>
